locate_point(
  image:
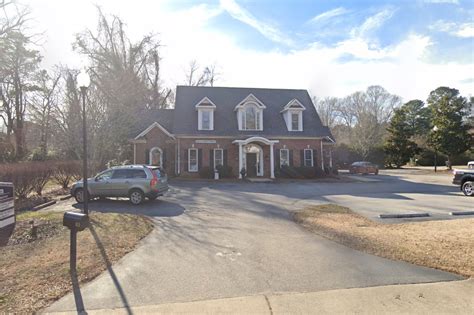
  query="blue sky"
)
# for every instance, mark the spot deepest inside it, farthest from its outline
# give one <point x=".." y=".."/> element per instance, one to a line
<point x="331" y="48"/>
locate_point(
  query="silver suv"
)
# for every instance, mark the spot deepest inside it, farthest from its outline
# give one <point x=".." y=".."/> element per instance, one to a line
<point x="133" y="181"/>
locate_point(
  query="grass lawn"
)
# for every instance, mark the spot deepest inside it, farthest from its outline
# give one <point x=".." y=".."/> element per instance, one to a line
<point x="446" y="245"/>
<point x="34" y="270"/>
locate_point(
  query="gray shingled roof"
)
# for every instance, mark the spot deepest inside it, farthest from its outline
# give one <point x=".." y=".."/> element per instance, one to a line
<point x="225" y="119"/>
<point x="182" y="120"/>
<point x="162" y="116"/>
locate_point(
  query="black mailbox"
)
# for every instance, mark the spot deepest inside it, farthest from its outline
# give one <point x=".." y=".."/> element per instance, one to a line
<point x="76" y="221"/>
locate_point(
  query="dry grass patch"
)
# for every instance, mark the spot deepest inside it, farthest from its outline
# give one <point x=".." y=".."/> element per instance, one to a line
<point x="446" y="245"/>
<point x="34" y="267"/>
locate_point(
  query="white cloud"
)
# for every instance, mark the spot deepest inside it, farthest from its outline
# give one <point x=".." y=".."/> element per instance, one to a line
<point x="463" y="30"/>
<point x="186" y="35"/>
<point x="372" y="23"/>
<point x="244" y="16"/>
<point x="328" y="15"/>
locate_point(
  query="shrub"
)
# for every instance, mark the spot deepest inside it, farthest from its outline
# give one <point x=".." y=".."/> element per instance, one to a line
<point x="66" y="171"/>
<point x="225" y="171"/>
<point x="287" y="171"/>
<point x="41" y="173"/>
<point x="20" y="175"/>
<point x="206" y="172"/>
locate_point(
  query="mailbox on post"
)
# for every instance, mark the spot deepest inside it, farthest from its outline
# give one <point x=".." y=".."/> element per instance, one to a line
<point x="7" y="212"/>
<point x="76" y="222"/>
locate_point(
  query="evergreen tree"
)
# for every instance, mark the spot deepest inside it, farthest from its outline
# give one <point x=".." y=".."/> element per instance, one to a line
<point x="449" y="113"/>
<point x="399" y="148"/>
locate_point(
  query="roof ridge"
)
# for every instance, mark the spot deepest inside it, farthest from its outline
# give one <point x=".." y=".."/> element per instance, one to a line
<point x="239" y="87"/>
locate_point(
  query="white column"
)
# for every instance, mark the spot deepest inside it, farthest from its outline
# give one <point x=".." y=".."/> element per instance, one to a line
<point x="322" y="156"/>
<point x="240" y="160"/>
<point x="330" y="158"/>
<point x="272" y="162"/>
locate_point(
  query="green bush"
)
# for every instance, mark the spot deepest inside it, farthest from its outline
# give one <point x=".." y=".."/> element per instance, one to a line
<point x="225" y="171"/>
<point x="301" y="172"/>
<point x="206" y="172"/>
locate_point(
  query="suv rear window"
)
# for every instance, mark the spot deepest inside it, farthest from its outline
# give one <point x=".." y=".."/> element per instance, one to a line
<point x="158" y="171"/>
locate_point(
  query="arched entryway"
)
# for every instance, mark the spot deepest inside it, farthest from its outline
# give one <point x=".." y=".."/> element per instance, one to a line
<point x="252" y="146"/>
<point x="156" y="156"/>
<point x="253" y="160"/>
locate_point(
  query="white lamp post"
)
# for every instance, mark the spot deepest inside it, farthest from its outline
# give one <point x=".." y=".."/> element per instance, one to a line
<point x="435" y="128"/>
<point x="83" y="82"/>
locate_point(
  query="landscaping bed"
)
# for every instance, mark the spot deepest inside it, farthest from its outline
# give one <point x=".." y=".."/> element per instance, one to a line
<point x="34" y="266"/>
<point x="447" y="245"/>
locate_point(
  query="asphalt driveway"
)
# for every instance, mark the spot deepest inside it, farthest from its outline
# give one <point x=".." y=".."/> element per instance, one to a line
<point x="215" y="240"/>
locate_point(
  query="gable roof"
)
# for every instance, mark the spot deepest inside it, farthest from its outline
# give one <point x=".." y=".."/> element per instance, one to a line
<point x="164" y="117"/>
<point x="225" y="121"/>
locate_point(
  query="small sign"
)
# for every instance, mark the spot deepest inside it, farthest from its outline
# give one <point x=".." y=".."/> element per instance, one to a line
<point x="206" y="141"/>
<point x="7" y="211"/>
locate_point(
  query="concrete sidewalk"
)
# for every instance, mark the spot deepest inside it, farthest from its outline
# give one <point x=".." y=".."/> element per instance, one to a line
<point x="454" y="297"/>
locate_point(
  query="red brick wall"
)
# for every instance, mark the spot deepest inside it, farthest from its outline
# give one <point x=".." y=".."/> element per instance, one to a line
<point x="295" y="145"/>
<point x="157" y="138"/>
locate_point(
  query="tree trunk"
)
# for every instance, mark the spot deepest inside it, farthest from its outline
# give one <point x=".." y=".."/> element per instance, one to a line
<point x="448" y="163"/>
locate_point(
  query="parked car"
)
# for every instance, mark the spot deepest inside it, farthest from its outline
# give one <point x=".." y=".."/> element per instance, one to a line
<point x="465" y="180"/>
<point x="363" y="168"/>
<point x="133" y="181"/>
<point x="470" y="165"/>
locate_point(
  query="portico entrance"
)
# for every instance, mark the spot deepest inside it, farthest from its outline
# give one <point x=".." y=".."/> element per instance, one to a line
<point x="253" y="160"/>
<point x="251" y="156"/>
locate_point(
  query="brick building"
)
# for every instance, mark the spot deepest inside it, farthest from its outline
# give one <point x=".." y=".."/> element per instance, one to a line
<point x="256" y="129"/>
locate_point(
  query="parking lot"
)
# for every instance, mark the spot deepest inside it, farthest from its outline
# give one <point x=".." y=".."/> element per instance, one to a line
<point x="227" y="239"/>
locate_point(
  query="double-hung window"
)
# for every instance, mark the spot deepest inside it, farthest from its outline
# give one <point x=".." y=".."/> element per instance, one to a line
<point x="218" y="157"/>
<point x="284" y="157"/>
<point x="308" y="157"/>
<point x="206" y="120"/>
<point x="192" y="160"/>
<point x="295" y="121"/>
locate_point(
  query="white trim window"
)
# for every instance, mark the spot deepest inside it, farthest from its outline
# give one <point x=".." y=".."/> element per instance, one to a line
<point x="284" y="157"/>
<point x="251" y="118"/>
<point x="205" y="119"/>
<point x="295" y="121"/>
<point x="218" y="157"/>
<point x="193" y="160"/>
<point x="308" y="157"/>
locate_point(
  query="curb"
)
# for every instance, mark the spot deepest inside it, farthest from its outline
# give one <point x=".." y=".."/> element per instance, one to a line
<point x="44" y="205"/>
<point x="404" y="215"/>
<point x="462" y="213"/>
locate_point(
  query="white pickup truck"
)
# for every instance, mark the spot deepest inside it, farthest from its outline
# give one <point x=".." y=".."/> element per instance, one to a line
<point x="465" y="179"/>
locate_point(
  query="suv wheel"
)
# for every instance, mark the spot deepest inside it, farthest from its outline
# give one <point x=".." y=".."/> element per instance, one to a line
<point x="468" y="188"/>
<point x="79" y="195"/>
<point x="136" y="197"/>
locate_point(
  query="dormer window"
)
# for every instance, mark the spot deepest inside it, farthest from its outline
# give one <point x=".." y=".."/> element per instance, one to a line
<point x="205" y="109"/>
<point x="293" y="115"/>
<point x="250" y="113"/>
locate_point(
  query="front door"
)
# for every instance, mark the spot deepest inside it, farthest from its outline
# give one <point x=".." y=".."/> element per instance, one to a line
<point x="251" y="164"/>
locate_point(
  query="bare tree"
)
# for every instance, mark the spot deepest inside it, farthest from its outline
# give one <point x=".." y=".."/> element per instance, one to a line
<point x="18" y="65"/>
<point x="42" y="102"/>
<point x="327" y="110"/>
<point x="12" y="16"/>
<point x="195" y="76"/>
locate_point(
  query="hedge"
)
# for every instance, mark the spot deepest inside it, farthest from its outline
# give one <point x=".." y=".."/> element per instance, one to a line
<point x="29" y="177"/>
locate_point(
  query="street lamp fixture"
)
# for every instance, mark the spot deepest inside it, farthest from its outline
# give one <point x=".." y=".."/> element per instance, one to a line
<point x="83" y="82"/>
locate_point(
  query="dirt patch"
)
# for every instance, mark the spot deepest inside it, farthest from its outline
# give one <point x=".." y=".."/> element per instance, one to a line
<point x="445" y="245"/>
<point x="34" y="267"/>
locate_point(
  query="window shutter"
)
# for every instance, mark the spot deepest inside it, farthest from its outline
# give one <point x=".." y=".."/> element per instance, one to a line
<point x="277" y="158"/>
<point x="185" y="155"/>
<point x="302" y="157"/>
<point x="199" y="159"/>
<point x="211" y="159"/>
<point x="164" y="159"/>
<point x="224" y="157"/>
<point x="291" y="158"/>
<point x="147" y="156"/>
<point x="315" y="159"/>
